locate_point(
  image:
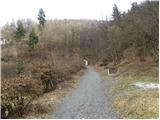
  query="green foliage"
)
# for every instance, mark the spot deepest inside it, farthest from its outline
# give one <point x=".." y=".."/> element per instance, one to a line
<point x="33" y="39"/>
<point x="41" y="18"/>
<point x="51" y="78"/>
<point x="20" y="31"/>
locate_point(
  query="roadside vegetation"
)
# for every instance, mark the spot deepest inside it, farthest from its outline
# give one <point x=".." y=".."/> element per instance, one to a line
<point x="44" y="106"/>
<point x="131" y="101"/>
<point x="135" y="48"/>
<point x="33" y="63"/>
<point x="37" y="57"/>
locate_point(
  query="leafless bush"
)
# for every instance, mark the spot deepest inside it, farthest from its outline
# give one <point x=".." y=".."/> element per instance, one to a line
<point x="17" y="94"/>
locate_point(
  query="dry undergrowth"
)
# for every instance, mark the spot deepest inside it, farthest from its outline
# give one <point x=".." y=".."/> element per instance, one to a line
<point x="28" y="75"/>
<point x="44" y="106"/>
<point x="130" y="101"/>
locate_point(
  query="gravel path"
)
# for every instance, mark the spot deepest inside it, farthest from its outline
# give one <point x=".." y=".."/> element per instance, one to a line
<point x="89" y="100"/>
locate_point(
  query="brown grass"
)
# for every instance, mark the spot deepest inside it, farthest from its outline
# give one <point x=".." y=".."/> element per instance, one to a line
<point x="36" y="63"/>
<point x="45" y="105"/>
<point x="130" y="101"/>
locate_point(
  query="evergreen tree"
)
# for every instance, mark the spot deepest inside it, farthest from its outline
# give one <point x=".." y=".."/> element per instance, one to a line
<point x="134" y="6"/>
<point x="33" y="39"/>
<point x="116" y="14"/>
<point x="41" y="18"/>
<point x="20" y="31"/>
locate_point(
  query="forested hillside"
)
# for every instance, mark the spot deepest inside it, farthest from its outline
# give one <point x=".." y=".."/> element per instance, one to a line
<point x="36" y="57"/>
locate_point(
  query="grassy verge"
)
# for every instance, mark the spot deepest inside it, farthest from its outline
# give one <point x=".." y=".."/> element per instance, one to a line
<point x="131" y="101"/>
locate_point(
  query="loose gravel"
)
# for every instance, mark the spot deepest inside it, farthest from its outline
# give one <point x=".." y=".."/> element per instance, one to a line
<point x="90" y="100"/>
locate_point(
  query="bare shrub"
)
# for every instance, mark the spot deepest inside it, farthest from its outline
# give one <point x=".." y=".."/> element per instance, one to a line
<point x="17" y="94"/>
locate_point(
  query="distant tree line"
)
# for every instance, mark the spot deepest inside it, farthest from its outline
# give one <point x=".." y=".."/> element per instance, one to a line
<point x="104" y="39"/>
<point x="139" y="27"/>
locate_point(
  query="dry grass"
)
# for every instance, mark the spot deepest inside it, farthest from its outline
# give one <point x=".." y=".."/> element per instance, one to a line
<point x="137" y="104"/>
<point x="36" y="63"/>
<point x="8" y="70"/>
<point x="133" y="102"/>
<point x="130" y="101"/>
<point x="46" y="104"/>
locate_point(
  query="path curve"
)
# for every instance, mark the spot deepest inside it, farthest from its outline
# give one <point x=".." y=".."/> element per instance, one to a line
<point x="89" y="100"/>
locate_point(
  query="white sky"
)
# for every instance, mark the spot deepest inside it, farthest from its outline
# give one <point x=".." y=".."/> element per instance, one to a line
<point x="60" y="9"/>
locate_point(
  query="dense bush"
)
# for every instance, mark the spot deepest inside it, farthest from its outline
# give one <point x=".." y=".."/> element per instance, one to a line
<point x="17" y="93"/>
<point x="51" y="78"/>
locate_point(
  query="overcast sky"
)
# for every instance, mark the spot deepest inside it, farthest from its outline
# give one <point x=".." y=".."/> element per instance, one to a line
<point x="60" y="9"/>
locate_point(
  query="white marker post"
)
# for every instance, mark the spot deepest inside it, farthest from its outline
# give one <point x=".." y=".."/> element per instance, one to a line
<point x="85" y="62"/>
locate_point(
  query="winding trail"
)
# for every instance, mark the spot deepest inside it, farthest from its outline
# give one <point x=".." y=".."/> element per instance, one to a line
<point x="89" y="100"/>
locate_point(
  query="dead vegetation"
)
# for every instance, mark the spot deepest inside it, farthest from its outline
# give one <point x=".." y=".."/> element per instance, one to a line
<point x="130" y="101"/>
<point x="32" y="74"/>
<point x="17" y="93"/>
<point x="35" y="61"/>
<point x="46" y="104"/>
